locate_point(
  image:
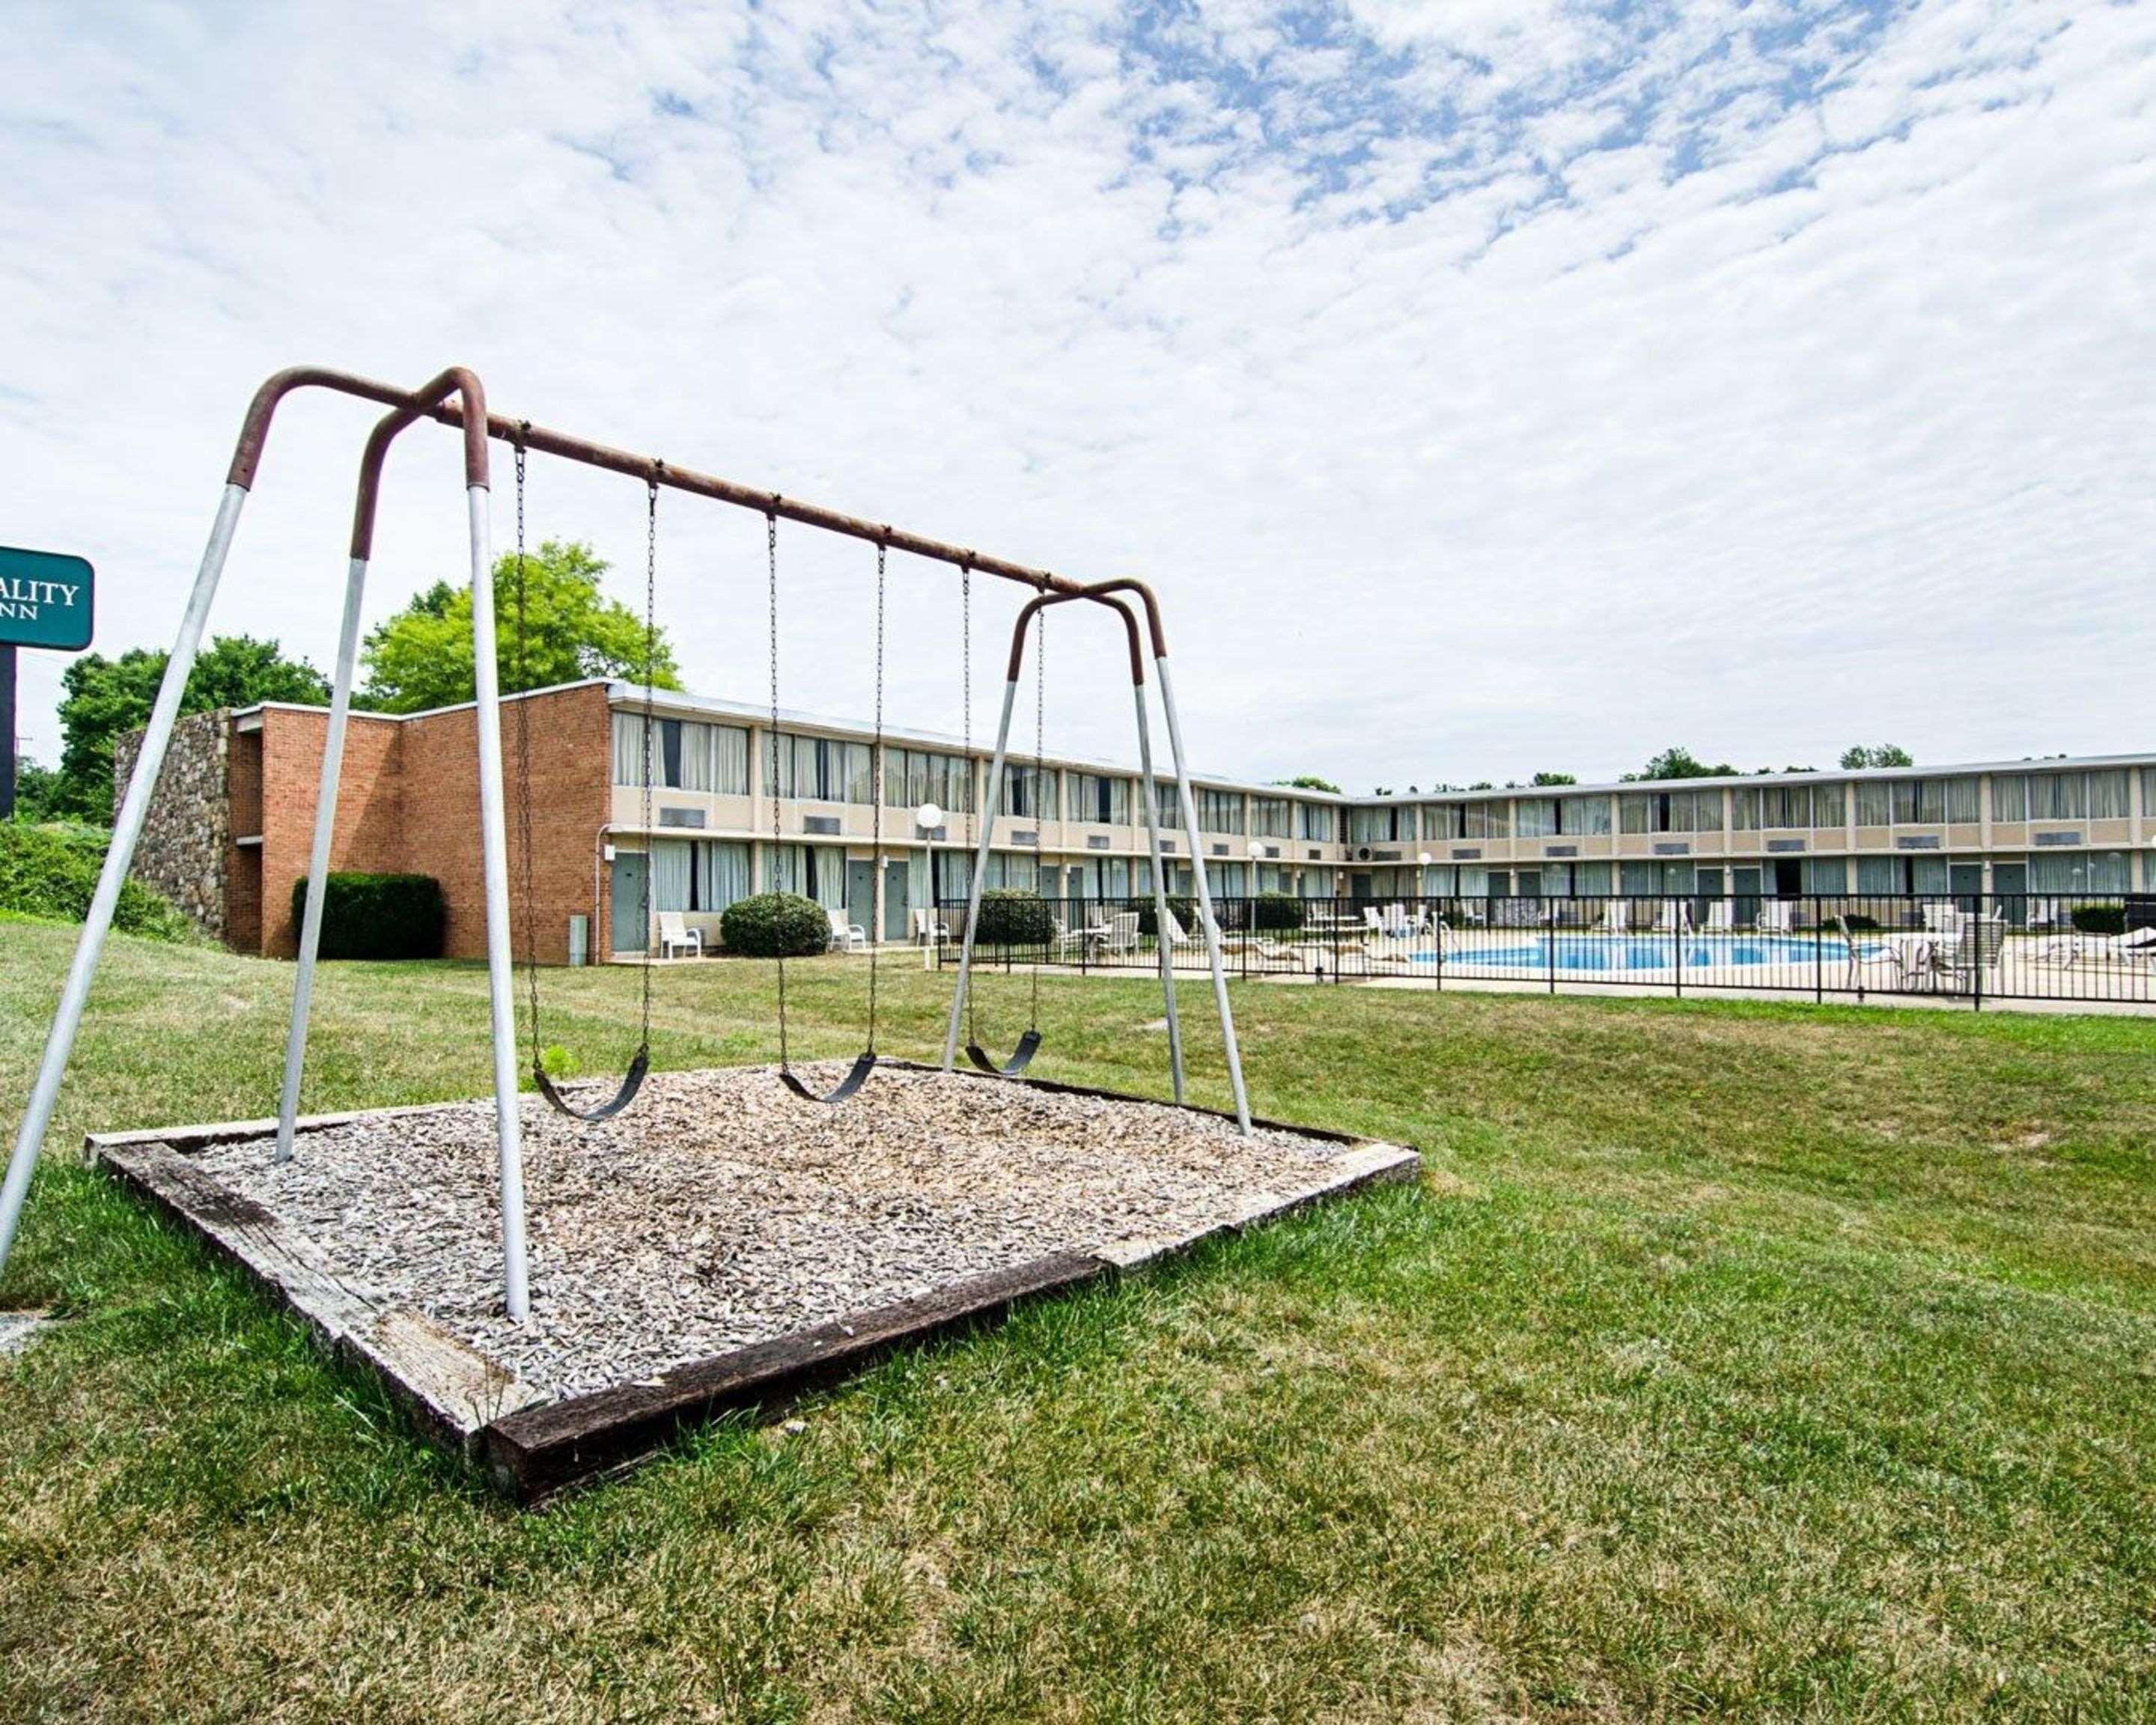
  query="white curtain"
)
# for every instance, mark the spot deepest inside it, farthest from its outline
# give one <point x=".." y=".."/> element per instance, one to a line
<point x="628" y="748"/>
<point x="670" y="861"/>
<point x="782" y="868"/>
<point x="730" y="759"/>
<point x="723" y="872"/>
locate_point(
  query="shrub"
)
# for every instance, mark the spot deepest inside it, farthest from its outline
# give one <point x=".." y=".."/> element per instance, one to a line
<point x="1014" y="916"/>
<point x="1859" y="923"/>
<point x="1183" y="910"/>
<point x="2099" y="919"/>
<point x="1277" y="911"/>
<point x="776" y="925"/>
<point x="378" y="916"/>
<point x="52" y="871"/>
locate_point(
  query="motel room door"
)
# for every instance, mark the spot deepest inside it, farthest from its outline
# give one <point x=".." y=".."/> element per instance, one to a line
<point x="2010" y="883"/>
<point x="896" y="903"/>
<point x="628" y="931"/>
<point x="1965" y="881"/>
<point x="860" y="893"/>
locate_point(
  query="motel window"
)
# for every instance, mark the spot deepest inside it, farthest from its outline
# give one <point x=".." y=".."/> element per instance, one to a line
<point x="701" y="875"/>
<point x="1931" y="801"/>
<point x="1874" y="803"/>
<point x="822" y="769"/>
<point x="1828" y="805"/>
<point x="2149" y="794"/>
<point x="1167" y="805"/>
<point x="2104" y="871"/>
<point x="1379" y="826"/>
<point x="1786" y="808"/>
<point x="685" y="755"/>
<point x="1320" y="823"/>
<point x="912" y="777"/>
<point x="1220" y="811"/>
<point x="1444" y="820"/>
<point x="1588" y="816"/>
<point x="1488" y="820"/>
<point x="1031" y="792"/>
<point x="1096" y="797"/>
<point x="1271" y="818"/>
<point x="1537" y="817"/>
<point x="1671" y="812"/>
<point x="2106" y="793"/>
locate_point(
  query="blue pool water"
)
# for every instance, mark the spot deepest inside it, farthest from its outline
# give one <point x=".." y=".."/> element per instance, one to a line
<point x="1639" y="952"/>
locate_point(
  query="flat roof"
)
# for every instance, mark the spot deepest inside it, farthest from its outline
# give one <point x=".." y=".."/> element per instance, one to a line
<point x="681" y="703"/>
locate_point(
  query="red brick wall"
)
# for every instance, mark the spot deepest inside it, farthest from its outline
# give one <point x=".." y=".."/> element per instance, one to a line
<point x="368" y="827"/>
<point x="572" y="769"/>
<point x="408" y="801"/>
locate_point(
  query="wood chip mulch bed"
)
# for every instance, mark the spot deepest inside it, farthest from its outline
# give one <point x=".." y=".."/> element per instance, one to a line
<point x="723" y="1241"/>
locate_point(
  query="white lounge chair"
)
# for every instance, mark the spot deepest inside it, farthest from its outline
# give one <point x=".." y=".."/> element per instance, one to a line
<point x="1674" y="916"/>
<point x="846" y="936"/>
<point x="1720" y="917"/>
<point x="1777" y="916"/>
<point x="674" y="935"/>
<point x="2137" y="946"/>
<point x="1617" y="917"/>
<point x="929" y="927"/>
<point x="1121" y="933"/>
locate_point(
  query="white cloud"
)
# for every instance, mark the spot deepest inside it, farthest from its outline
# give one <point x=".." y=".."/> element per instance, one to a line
<point x="1486" y="388"/>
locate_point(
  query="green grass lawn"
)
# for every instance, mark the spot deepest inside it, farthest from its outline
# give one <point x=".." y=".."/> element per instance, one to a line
<point x="1733" y="1360"/>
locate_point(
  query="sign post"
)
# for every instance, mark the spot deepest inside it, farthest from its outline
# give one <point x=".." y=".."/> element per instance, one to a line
<point x="45" y="601"/>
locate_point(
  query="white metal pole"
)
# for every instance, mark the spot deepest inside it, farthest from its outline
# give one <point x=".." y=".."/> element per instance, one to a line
<point x="1159" y="893"/>
<point x="986" y="816"/>
<point x="501" y="976"/>
<point x="318" y="859"/>
<point x="126" y="830"/>
<point x="1204" y="899"/>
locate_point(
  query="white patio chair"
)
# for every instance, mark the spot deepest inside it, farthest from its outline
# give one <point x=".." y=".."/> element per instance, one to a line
<point x="928" y="928"/>
<point x="1721" y="916"/>
<point x="1617" y="917"/>
<point x="2137" y="946"/>
<point x="674" y="935"/>
<point x="1674" y="916"/>
<point x="1777" y="916"/>
<point x="846" y="936"/>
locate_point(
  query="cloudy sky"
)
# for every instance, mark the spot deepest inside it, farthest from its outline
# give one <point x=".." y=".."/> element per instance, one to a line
<point x="1487" y="385"/>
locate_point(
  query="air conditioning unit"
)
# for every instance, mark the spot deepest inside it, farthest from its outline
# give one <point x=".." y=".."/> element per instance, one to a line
<point x="820" y="823"/>
<point x="681" y="817"/>
<point x="1363" y="854"/>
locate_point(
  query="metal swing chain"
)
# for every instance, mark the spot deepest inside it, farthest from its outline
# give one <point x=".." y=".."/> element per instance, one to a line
<point x="650" y="677"/>
<point x="1039" y="780"/>
<point x="875" y="798"/>
<point x="524" y="761"/>
<point x="965" y="736"/>
<point x="771" y="568"/>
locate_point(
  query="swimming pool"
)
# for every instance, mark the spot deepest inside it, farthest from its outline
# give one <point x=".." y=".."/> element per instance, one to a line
<point x="1586" y="952"/>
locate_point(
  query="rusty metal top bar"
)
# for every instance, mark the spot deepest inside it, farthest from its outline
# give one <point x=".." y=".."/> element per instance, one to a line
<point x="457" y="381"/>
<point x="478" y="425"/>
<point x="1099" y="592"/>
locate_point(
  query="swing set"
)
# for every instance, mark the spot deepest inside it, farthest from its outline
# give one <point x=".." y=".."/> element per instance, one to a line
<point x="457" y="398"/>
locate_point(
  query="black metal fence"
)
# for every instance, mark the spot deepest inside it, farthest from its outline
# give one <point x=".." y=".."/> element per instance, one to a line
<point x="1968" y="947"/>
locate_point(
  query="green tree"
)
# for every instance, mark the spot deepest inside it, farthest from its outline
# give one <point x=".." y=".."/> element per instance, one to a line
<point x="1554" y="778"/>
<point x="106" y="698"/>
<point x="1884" y="754"/>
<point x="422" y="657"/>
<point x="1309" y="782"/>
<point x="1675" y="763"/>
<point x="37" y="791"/>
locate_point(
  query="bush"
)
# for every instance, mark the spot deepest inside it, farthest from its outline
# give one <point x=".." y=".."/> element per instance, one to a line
<point x="378" y="916"/>
<point x="52" y="871"/>
<point x="1014" y="916"/>
<point x="2099" y="919"/>
<point x="1859" y="923"/>
<point x="1277" y="911"/>
<point x="776" y="925"/>
<point x="1183" y="910"/>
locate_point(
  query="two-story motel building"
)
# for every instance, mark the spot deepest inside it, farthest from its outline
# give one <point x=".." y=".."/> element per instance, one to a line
<point x="2052" y="826"/>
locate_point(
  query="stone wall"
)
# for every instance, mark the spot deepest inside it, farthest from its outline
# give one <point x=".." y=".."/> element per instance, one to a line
<point x="184" y="839"/>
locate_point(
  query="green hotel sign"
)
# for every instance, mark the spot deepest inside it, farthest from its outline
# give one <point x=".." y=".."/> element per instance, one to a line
<point x="45" y="600"/>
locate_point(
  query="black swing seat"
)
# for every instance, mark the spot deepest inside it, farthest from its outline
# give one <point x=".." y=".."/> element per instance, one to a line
<point x="1028" y="1045"/>
<point x="631" y="1082"/>
<point x="864" y="1064"/>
